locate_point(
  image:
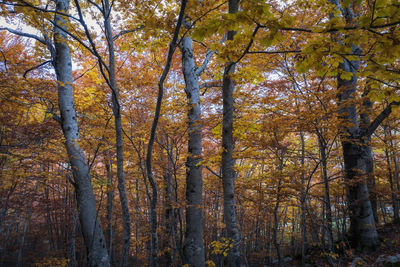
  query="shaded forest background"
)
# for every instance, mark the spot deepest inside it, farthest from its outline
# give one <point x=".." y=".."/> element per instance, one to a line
<point x="314" y="121"/>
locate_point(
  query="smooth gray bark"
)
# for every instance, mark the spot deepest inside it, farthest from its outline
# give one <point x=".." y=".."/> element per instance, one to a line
<point x="126" y="222"/>
<point x="90" y="225"/>
<point x="110" y="208"/>
<point x="228" y="173"/>
<point x="193" y="244"/>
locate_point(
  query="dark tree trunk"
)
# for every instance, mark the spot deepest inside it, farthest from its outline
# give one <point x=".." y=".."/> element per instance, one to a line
<point x="390" y="175"/>
<point x="228" y="173"/>
<point x="328" y="210"/>
<point x="356" y="153"/>
<point x="150" y="176"/>
<point x="126" y="223"/>
<point x="303" y="199"/>
<point x="276" y="225"/>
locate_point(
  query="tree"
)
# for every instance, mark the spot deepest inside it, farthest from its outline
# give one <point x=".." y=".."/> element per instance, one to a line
<point x="228" y="173"/>
<point x="193" y="247"/>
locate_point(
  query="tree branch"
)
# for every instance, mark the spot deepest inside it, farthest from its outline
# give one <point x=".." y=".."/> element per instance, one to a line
<point x="380" y="118"/>
<point x="206" y="60"/>
<point x="172" y="47"/>
<point x="36" y="67"/>
<point x="213" y="172"/>
<point x="27" y="4"/>
<point x="274" y="52"/>
<point x="253" y="35"/>
<point x="24" y="34"/>
<point x="115" y="37"/>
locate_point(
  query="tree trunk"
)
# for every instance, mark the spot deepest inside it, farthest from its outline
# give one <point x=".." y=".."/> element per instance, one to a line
<point x="303" y="198"/>
<point x="396" y="167"/>
<point x="228" y="174"/>
<point x="170" y="222"/>
<point x="193" y="244"/>
<point x="150" y="176"/>
<point x="327" y="200"/>
<point x="276" y="225"/>
<point x="72" y="250"/>
<point x="90" y="225"/>
<point x="365" y="121"/>
<point x="110" y="208"/>
<point x="126" y="223"/>
<point x="28" y="214"/>
<point x="356" y="154"/>
<point x="392" y="189"/>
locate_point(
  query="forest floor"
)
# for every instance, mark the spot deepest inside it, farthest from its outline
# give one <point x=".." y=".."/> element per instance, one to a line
<point x="389" y="250"/>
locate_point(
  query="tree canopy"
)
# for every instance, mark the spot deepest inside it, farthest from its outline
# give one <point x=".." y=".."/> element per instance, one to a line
<point x="198" y="132"/>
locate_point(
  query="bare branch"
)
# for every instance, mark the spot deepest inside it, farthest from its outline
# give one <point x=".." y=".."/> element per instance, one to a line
<point x="274" y="52"/>
<point x="207" y="59"/>
<point x="24" y="34"/>
<point x="253" y="35"/>
<point x="90" y="39"/>
<point x="385" y="83"/>
<point x="209" y="85"/>
<point x="97" y="6"/>
<point x="86" y="71"/>
<point x="27" y="4"/>
<point x="216" y="174"/>
<point x="36" y="67"/>
<point x="115" y="37"/>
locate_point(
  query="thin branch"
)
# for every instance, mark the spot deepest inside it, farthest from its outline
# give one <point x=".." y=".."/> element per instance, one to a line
<point x="206" y="60"/>
<point x="109" y="10"/>
<point x="383" y="82"/>
<point x="74" y="37"/>
<point x="86" y="71"/>
<point x="27" y="4"/>
<point x="199" y="18"/>
<point x="36" y="67"/>
<point x="99" y="144"/>
<point x="69" y="179"/>
<point x="209" y="85"/>
<point x="97" y="6"/>
<point x="395" y="23"/>
<point x="24" y="34"/>
<point x="274" y="52"/>
<point x="206" y="13"/>
<point x="90" y="39"/>
<point x="115" y="37"/>
<point x="216" y="174"/>
<point x="253" y="35"/>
